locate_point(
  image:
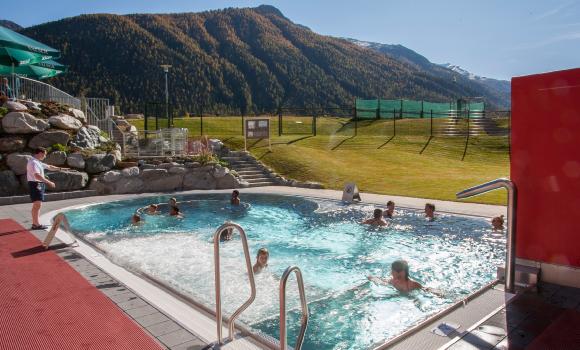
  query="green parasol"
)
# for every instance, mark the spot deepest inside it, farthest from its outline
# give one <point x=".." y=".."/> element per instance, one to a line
<point x="32" y="71"/>
<point x="11" y="40"/>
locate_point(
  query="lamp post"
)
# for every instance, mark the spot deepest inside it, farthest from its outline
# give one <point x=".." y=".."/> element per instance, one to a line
<point x="166" y="70"/>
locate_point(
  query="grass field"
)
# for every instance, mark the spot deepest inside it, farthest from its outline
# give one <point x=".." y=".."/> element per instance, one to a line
<point x="408" y="164"/>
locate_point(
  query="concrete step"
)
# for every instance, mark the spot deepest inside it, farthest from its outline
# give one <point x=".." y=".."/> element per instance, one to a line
<point x="259" y="179"/>
<point x="249" y="172"/>
<point x="247" y="168"/>
<point x="260" y="184"/>
<point x="253" y="176"/>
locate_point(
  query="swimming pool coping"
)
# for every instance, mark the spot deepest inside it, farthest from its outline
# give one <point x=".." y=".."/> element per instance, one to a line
<point x="123" y="274"/>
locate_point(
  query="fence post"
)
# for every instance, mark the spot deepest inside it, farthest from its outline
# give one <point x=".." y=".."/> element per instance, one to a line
<point x="378" y="113"/>
<point x="401" y="110"/>
<point x="422" y="115"/>
<point x="280" y="122"/>
<point x="394" y="122"/>
<point x="467" y="138"/>
<point x="242" y="124"/>
<point x="431" y="134"/>
<point x="201" y="122"/>
<point x="314" y="124"/>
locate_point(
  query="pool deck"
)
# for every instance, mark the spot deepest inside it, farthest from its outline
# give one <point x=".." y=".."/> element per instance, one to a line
<point x="169" y="319"/>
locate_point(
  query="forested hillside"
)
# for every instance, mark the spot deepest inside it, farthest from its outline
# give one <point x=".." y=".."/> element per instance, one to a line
<point x="251" y="60"/>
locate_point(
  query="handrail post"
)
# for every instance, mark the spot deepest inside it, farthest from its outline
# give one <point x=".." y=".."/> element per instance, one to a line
<point x="303" y="304"/>
<point x="510" y="263"/>
<point x="218" y="296"/>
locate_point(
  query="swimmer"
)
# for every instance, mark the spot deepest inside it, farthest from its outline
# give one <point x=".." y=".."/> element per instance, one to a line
<point x="174" y="211"/>
<point x="430" y="211"/>
<point x="235" y="200"/>
<point x="261" y="260"/>
<point x="497" y="223"/>
<point x="390" y="210"/>
<point x="172" y="202"/>
<point x="377" y="219"/>
<point x="136" y="220"/>
<point x="152" y="209"/>
<point x="226" y="234"/>
<point x="400" y="278"/>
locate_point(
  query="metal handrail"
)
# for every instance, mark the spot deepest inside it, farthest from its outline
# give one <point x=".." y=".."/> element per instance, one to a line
<point x="510" y="262"/>
<point x="58" y="220"/>
<point x="304" y="305"/>
<point x="39" y="91"/>
<point x="218" y="296"/>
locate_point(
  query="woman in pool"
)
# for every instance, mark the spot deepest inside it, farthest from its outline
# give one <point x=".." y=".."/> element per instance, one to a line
<point x="174" y="211"/>
<point x="400" y="278"/>
<point x="136" y="220"/>
<point x="390" y="210"/>
<point x="377" y="219"/>
<point x="172" y="202"/>
<point x="152" y="209"/>
<point x="430" y="211"/>
<point x="497" y="223"/>
<point x="261" y="260"/>
<point x="235" y="200"/>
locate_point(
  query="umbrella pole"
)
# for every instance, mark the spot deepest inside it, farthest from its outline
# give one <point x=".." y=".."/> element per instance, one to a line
<point x="13" y="83"/>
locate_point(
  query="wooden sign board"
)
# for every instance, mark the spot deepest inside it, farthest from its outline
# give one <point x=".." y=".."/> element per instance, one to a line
<point x="256" y="128"/>
<point x="350" y="193"/>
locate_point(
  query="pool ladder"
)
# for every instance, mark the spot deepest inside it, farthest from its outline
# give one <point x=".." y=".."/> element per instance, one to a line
<point x="248" y="302"/>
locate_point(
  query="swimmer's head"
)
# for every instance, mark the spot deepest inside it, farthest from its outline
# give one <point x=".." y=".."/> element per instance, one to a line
<point x="378" y="213"/>
<point x="135" y="219"/>
<point x="172" y="201"/>
<point x="390" y="205"/>
<point x="262" y="256"/>
<point x="400" y="269"/>
<point x="429" y="209"/>
<point x="497" y="222"/>
<point x="174" y="211"/>
<point x="235" y="194"/>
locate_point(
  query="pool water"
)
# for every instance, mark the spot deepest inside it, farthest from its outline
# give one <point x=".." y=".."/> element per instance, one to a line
<point x="455" y="255"/>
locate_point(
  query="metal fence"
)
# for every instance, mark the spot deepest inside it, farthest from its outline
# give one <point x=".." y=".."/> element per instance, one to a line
<point x="30" y="89"/>
<point x="98" y="113"/>
<point x="169" y="142"/>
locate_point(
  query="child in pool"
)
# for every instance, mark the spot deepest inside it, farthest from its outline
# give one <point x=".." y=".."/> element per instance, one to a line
<point x="261" y="260"/>
<point x="400" y="278"/>
<point x="174" y="211"/>
<point x="497" y="223"/>
<point x="152" y="209"/>
<point x="136" y="220"/>
<point x="390" y="210"/>
<point x="377" y="219"/>
<point x="172" y="202"/>
<point x="235" y="200"/>
<point x="430" y="211"/>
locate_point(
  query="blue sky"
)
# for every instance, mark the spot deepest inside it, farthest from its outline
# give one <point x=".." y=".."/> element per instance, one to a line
<point x="494" y="38"/>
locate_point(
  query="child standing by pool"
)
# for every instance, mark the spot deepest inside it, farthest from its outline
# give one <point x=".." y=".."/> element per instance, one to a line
<point x="261" y="260"/>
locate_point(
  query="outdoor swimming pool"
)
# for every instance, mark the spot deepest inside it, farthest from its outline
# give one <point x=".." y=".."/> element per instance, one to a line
<point x="454" y="254"/>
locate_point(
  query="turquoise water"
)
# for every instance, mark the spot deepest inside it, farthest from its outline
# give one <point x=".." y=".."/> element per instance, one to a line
<point x="455" y="255"/>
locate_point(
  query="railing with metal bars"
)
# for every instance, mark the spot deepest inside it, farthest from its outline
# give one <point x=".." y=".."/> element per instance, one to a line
<point x="26" y="88"/>
<point x="303" y="304"/>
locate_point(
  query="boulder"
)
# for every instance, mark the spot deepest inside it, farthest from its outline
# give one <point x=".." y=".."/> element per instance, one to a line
<point x="99" y="163"/>
<point x="117" y="154"/>
<point x="124" y="165"/>
<point x="68" y="180"/>
<point x="168" y="165"/>
<point x="112" y="176"/>
<point x="14" y="106"/>
<point x="163" y="184"/>
<point x="76" y="160"/>
<point x="215" y="145"/>
<point x="177" y="170"/>
<point x="17" y="162"/>
<point x="56" y="158"/>
<point x="12" y="144"/>
<point x="191" y="165"/>
<point x="9" y="184"/>
<point x="220" y="171"/>
<point x="227" y="181"/>
<point x="128" y="185"/>
<point x="31" y="105"/>
<point x="153" y="174"/>
<point x="123" y="124"/>
<point x="130" y="172"/>
<point x="199" y="181"/>
<point x="23" y="123"/>
<point x="148" y="166"/>
<point x="87" y="137"/>
<point x="49" y="138"/>
<point x="80" y="115"/>
<point x="65" y="122"/>
<point x="134" y="116"/>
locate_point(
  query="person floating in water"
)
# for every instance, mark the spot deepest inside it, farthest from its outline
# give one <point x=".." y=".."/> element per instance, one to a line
<point x="390" y="210"/>
<point x="430" y="211"/>
<point x="136" y="220"/>
<point x="497" y="223"/>
<point x="261" y="260"/>
<point x="400" y="278"/>
<point x="235" y="200"/>
<point x="152" y="209"/>
<point x="377" y="219"/>
<point x="172" y="202"/>
<point x="174" y="211"/>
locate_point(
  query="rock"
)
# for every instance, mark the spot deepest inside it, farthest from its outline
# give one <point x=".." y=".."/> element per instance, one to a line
<point x="31" y="105"/>
<point x="87" y="137"/>
<point x="68" y="180"/>
<point x="17" y="162"/>
<point x="167" y="165"/>
<point x="49" y="138"/>
<point x="65" y="122"/>
<point x="153" y="174"/>
<point x="148" y="166"/>
<point x="130" y="172"/>
<point x="112" y="176"/>
<point x="244" y="184"/>
<point x="134" y="116"/>
<point x="124" y="165"/>
<point x="99" y="163"/>
<point x="123" y="124"/>
<point x="77" y="113"/>
<point x="294" y="183"/>
<point x="215" y="145"/>
<point x="56" y="158"/>
<point x="14" y="106"/>
<point x="312" y="184"/>
<point x="12" y="144"/>
<point x="76" y="160"/>
<point x="177" y="170"/>
<point x="128" y="185"/>
<point x="220" y="171"/>
<point x="163" y="184"/>
<point x="23" y="123"/>
<point x="9" y="184"/>
<point x="199" y="181"/>
<point x="117" y="154"/>
<point x="227" y="181"/>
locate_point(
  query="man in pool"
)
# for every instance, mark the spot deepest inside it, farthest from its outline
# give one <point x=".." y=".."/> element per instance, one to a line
<point x="235" y="200"/>
<point x="152" y="209"/>
<point x="261" y="260"/>
<point x="430" y="211"/>
<point x="497" y="223"/>
<point x="400" y="278"/>
<point x="172" y="202"/>
<point x="390" y="210"/>
<point x="174" y="211"/>
<point x="136" y="220"/>
<point x="377" y="219"/>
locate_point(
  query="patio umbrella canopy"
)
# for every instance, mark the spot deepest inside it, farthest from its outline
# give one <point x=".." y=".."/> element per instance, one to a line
<point x="23" y="49"/>
<point x="32" y="71"/>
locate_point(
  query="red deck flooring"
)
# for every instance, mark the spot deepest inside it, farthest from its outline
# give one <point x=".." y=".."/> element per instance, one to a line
<point x="46" y="304"/>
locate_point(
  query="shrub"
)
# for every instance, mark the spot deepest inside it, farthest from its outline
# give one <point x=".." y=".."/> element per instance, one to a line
<point x="58" y="147"/>
<point x="3" y="111"/>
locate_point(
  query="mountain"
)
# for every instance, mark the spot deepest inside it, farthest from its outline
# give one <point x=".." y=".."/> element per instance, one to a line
<point x="445" y="70"/>
<point x="248" y="59"/>
<point x="10" y="25"/>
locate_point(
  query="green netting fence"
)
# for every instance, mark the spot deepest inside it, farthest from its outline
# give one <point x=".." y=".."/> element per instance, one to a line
<point x="389" y="109"/>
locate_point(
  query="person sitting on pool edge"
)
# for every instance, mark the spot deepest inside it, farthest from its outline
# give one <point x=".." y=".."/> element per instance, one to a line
<point x="497" y="223"/>
<point x="152" y="209"/>
<point x="377" y="219"/>
<point x="430" y="211"/>
<point x="400" y="278"/>
<point x="174" y="211"/>
<point x="235" y="200"/>
<point x="136" y="220"/>
<point x="390" y="210"/>
<point x="261" y="260"/>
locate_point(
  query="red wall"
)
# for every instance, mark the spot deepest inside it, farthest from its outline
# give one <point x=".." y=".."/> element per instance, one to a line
<point x="545" y="166"/>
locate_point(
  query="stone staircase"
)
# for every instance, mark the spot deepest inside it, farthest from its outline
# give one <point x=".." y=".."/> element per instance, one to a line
<point x="249" y="169"/>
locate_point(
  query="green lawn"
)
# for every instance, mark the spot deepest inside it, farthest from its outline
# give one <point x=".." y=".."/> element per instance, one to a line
<point x="409" y="164"/>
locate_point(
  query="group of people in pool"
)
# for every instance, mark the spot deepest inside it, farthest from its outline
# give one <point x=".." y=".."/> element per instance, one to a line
<point x="379" y="216"/>
<point x="153" y="209"/>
